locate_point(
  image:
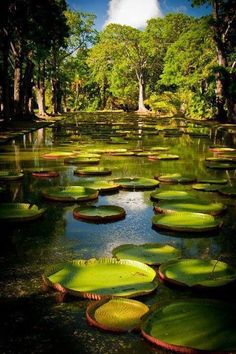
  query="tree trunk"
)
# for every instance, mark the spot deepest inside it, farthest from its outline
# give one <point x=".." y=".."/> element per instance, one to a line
<point x="17" y="86"/>
<point x="221" y="89"/>
<point x="27" y="89"/>
<point x="40" y="90"/>
<point x="141" y="106"/>
<point x="5" y="89"/>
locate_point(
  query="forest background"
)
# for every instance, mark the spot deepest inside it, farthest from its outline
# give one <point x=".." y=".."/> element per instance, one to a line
<point x="53" y="60"/>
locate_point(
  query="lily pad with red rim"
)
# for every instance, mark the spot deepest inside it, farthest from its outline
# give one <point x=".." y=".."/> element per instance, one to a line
<point x="116" y="315"/>
<point x="101" y="213"/>
<point x="192" y="326"/>
<point x="175" y="178"/>
<point x="70" y="194"/>
<point x="82" y="160"/>
<point x="19" y="212"/>
<point x="197" y="206"/>
<point x="171" y="195"/>
<point x="57" y="155"/>
<point x="148" y="253"/>
<point x="98" y="278"/>
<point x="93" y="171"/>
<point x="101" y="185"/>
<point x="45" y="174"/>
<point x="137" y="183"/>
<point x="199" y="273"/>
<point x="186" y="221"/>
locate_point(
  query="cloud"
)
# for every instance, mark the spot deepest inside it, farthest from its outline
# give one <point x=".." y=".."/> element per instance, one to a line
<point x="133" y="13"/>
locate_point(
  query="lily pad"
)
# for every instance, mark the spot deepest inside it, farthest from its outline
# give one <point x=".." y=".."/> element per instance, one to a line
<point x="196" y="206"/>
<point x="137" y="183"/>
<point x="102" y="186"/>
<point x="170" y="195"/>
<point x="19" y="212"/>
<point x="10" y="175"/>
<point x="93" y="171"/>
<point x="206" y="187"/>
<point x="45" y="174"/>
<point x="149" y="253"/>
<point x="57" y="155"/>
<point x="197" y="273"/>
<point x="228" y="191"/>
<point x="222" y="166"/>
<point x="70" y="194"/>
<point x="159" y="148"/>
<point x="82" y="160"/>
<point x="175" y="178"/>
<point x="186" y="221"/>
<point x="168" y="157"/>
<point x="97" y="278"/>
<point x="101" y="213"/>
<point x="220" y="159"/>
<point x="217" y="148"/>
<point x="212" y="180"/>
<point x="116" y="315"/>
<point x="192" y="326"/>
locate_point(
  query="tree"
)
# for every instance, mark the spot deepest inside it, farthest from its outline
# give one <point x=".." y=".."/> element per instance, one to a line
<point x="188" y="66"/>
<point x="223" y="24"/>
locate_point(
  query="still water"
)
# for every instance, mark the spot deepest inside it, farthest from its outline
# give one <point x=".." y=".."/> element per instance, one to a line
<point x="38" y="320"/>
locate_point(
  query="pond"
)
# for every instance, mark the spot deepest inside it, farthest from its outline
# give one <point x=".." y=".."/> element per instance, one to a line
<point x="35" y="319"/>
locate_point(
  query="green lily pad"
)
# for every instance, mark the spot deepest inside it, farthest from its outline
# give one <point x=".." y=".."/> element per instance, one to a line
<point x="159" y="148"/>
<point x="19" y="212"/>
<point x="222" y="166"/>
<point x="228" y="191"/>
<point x="206" y="187"/>
<point x="220" y="159"/>
<point x="10" y="175"/>
<point x="175" y="178"/>
<point x="70" y="193"/>
<point x="171" y="195"/>
<point x="107" y="151"/>
<point x="186" y="221"/>
<point x="101" y="213"/>
<point x="116" y="315"/>
<point x="196" y="206"/>
<point x="137" y="183"/>
<point x="149" y="253"/>
<point x="192" y="326"/>
<point x="97" y="278"/>
<point x="197" y="272"/>
<point x="117" y="140"/>
<point x="87" y="155"/>
<point x="102" y="186"/>
<point x="127" y="153"/>
<point x="143" y="153"/>
<point x="82" y="160"/>
<point x="93" y="171"/>
<point x="57" y="155"/>
<point x="212" y="180"/>
<point x="168" y="157"/>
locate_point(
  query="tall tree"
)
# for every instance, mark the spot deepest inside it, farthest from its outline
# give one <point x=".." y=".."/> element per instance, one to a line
<point x="223" y="24"/>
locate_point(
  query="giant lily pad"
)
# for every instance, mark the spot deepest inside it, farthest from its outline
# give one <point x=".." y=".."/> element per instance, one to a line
<point x="103" y="277"/>
<point x="186" y="221"/>
<point x="10" y="175"/>
<point x="93" y="171"/>
<point x="136" y="183"/>
<point x="228" y="191"/>
<point x="197" y="272"/>
<point x="45" y="174"/>
<point x="171" y="195"/>
<point x="196" y="206"/>
<point x="218" y="148"/>
<point x="70" y="194"/>
<point x="102" y="186"/>
<point x="222" y="166"/>
<point x="220" y="159"/>
<point x="82" y="160"/>
<point x="192" y="326"/>
<point x="19" y="212"/>
<point x="57" y="155"/>
<point x="159" y="148"/>
<point x="116" y="315"/>
<point x="149" y="253"/>
<point x="206" y="187"/>
<point x="175" y="178"/>
<point x="167" y="157"/>
<point x="101" y="213"/>
<point x="212" y="180"/>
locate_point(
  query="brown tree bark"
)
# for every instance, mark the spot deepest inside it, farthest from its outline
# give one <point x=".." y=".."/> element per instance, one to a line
<point x="40" y="90"/>
<point x="17" y="84"/>
<point x="5" y="87"/>
<point x="141" y="106"/>
<point x="27" y="86"/>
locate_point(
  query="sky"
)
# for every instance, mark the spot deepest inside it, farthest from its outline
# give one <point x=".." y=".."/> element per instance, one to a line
<point x="134" y="13"/>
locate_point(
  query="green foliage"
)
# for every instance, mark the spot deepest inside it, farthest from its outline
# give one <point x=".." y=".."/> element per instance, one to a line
<point x="166" y="103"/>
